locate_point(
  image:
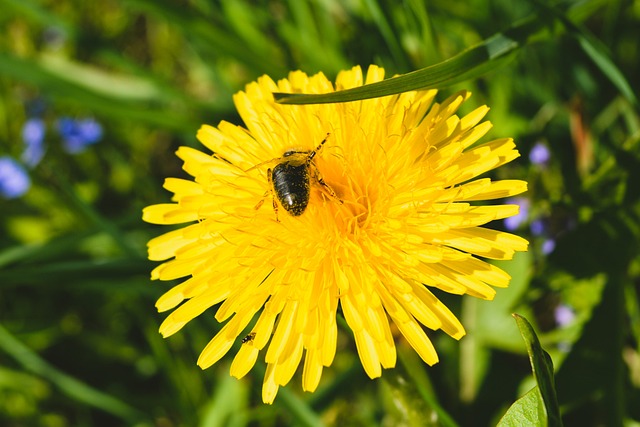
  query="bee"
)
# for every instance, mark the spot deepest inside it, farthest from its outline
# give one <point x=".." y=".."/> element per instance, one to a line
<point x="249" y="337"/>
<point x="290" y="180"/>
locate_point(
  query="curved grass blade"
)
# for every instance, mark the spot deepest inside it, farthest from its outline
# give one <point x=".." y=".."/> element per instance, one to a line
<point x="210" y="37"/>
<point x="228" y="406"/>
<point x="298" y="409"/>
<point x="35" y="12"/>
<point x="593" y="48"/>
<point x="67" y="384"/>
<point x="68" y="271"/>
<point x="488" y="55"/>
<point x="70" y="90"/>
<point x="542" y="367"/>
<point x="412" y="378"/>
<point x="380" y="19"/>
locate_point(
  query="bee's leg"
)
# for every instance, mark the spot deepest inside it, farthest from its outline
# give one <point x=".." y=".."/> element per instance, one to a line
<point x="273" y="196"/>
<point x="325" y="186"/>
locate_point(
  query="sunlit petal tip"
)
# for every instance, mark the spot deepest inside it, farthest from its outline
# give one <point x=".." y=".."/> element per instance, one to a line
<point x="205" y="132"/>
<point x="211" y="137"/>
<point x="474" y="117"/>
<point x="169" y="328"/>
<point x="348" y="79"/>
<point x="455" y="100"/>
<point x="312" y="371"/>
<point x="170" y="299"/>
<point x="368" y="354"/>
<point x="458" y="333"/>
<point x="521" y="186"/>
<point x="155" y="273"/>
<point x="374" y="74"/>
<point x="269" y="386"/>
<point x="214" y="351"/>
<point x="419" y="341"/>
<point x="244" y="361"/>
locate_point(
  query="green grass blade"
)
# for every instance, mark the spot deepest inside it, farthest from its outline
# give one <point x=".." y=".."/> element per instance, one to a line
<point x="93" y="79"/>
<point x="228" y="405"/>
<point x="312" y="35"/>
<point x="63" y="86"/>
<point x="16" y="254"/>
<point x="67" y="271"/>
<point x="68" y="385"/>
<point x="211" y="35"/>
<point x="298" y="409"/>
<point x="594" y="49"/>
<point x="420" y="11"/>
<point x="378" y="15"/>
<point x="488" y="55"/>
<point x="597" y="52"/>
<point x="36" y="12"/>
<point x="245" y="22"/>
<point x="413" y="369"/>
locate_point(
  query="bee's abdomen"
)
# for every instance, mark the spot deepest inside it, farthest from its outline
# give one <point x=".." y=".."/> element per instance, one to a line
<point x="291" y="185"/>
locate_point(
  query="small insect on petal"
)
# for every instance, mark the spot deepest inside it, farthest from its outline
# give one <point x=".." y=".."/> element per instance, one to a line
<point x="249" y="338"/>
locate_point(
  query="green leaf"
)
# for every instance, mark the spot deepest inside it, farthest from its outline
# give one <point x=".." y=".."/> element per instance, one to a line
<point x="526" y="411"/>
<point x="542" y="370"/>
<point x="488" y="55"/>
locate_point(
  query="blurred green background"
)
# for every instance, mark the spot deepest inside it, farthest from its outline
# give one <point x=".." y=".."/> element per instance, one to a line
<point x="95" y="97"/>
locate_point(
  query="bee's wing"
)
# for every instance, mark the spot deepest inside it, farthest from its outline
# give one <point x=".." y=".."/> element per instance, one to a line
<point x="272" y="161"/>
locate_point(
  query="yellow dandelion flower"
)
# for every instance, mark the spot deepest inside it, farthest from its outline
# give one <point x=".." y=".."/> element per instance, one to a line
<point x="390" y="183"/>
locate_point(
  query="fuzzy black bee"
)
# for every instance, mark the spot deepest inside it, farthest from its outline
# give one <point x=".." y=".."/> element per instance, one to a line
<point x="290" y="180"/>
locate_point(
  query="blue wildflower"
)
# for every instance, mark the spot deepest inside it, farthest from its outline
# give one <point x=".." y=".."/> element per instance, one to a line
<point x="78" y="134"/>
<point x="512" y="223"/>
<point x="540" y="154"/>
<point x="538" y="227"/>
<point x="548" y="246"/>
<point x="14" y="180"/>
<point x="33" y="132"/>
<point x="564" y="315"/>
